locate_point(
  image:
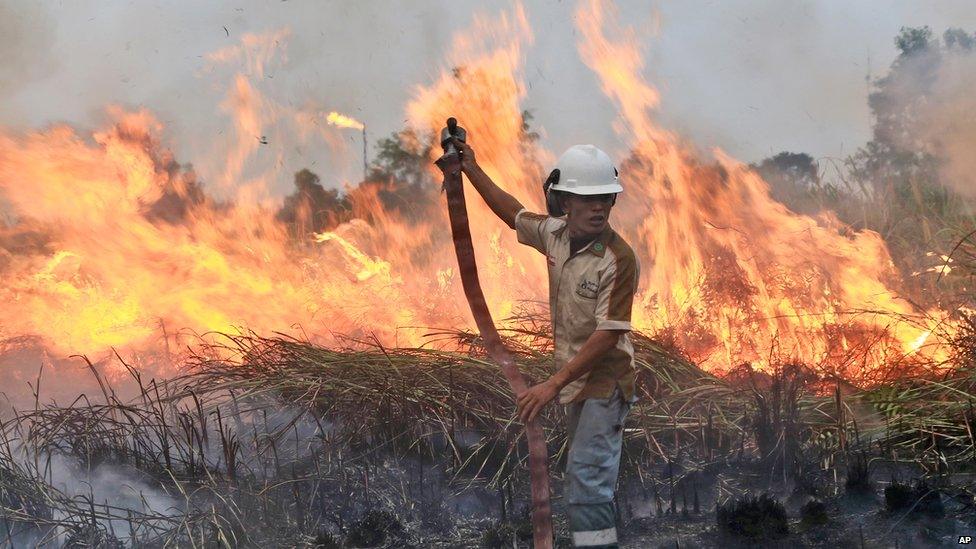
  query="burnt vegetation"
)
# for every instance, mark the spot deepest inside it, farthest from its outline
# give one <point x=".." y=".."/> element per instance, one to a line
<point x="754" y="519"/>
<point x="275" y="441"/>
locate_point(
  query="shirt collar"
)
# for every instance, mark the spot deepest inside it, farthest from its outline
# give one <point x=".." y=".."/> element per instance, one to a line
<point x="597" y="246"/>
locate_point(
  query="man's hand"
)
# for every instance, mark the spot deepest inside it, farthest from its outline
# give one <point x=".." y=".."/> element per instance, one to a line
<point x="531" y="402"/>
<point x="502" y="204"/>
<point x="468" y="160"/>
<point x="535" y="398"/>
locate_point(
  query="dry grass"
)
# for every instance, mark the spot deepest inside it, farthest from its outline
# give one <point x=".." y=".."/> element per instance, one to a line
<point x="280" y="441"/>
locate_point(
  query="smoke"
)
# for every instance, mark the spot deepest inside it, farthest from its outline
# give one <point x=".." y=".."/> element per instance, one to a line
<point x="946" y="121"/>
<point x="925" y="105"/>
<point x="26" y="33"/>
<point x="747" y="76"/>
<point x="114" y="486"/>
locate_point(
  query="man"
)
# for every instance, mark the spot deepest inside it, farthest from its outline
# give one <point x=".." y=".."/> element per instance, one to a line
<point x="593" y="275"/>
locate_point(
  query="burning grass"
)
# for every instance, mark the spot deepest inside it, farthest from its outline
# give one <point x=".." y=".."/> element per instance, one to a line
<point x="277" y="441"/>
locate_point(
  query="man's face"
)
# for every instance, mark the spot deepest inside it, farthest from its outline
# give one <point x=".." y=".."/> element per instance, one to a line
<point x="587" y="215"/>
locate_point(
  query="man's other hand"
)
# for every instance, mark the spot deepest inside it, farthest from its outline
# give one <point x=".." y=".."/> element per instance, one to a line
<point x="531" y="402"/>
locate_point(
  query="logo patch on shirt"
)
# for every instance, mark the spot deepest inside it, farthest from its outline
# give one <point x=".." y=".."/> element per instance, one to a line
<point x="587" y="289"/>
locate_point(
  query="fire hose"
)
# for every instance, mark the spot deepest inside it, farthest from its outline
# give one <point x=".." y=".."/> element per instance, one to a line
<point x="450" y="164"/>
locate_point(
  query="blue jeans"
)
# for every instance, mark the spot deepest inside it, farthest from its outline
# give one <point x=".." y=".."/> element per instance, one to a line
<point x="595" y="431"/>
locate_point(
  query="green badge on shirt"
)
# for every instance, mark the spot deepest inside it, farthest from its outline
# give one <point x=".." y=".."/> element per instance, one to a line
<point x="598" y="247"/>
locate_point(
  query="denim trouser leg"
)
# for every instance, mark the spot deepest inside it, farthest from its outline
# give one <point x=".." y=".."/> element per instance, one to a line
<point x="595" y="428"/>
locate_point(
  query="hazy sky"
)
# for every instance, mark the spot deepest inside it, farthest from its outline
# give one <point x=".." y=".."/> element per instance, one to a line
<point x="753" y="77"/>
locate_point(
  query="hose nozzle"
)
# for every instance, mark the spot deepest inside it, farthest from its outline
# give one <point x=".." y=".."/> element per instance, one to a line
<point x="452" y="130"/>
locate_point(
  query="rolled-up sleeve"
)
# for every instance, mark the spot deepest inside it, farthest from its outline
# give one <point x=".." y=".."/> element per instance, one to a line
<point x="529" y="229"/>
<point x="615" y="298"/>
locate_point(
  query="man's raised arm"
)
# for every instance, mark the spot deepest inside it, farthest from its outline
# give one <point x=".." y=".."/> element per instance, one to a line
<point x="504" y="205"/>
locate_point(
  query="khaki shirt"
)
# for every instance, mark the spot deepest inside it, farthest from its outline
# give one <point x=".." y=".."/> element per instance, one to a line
<point x="592" y="290"/>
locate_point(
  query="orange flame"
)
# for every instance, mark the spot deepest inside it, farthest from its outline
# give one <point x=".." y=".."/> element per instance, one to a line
<point x="740" y="277"/>
<point x="109" y="238"/>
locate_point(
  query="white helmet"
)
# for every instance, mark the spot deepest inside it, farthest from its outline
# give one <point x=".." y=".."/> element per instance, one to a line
<point x="585" y="169"/>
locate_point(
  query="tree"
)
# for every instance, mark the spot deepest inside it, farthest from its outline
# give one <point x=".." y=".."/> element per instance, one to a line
<point x="910" y="200"/>
<point x="311" y="208"/>
<point x="794" y="180"/>
<point x="403" y="157"/>
<point x="901" y="163"/>
<point x="799" y="169"/>
<point x="181" y="193"/>
<point x="400" y="175"/>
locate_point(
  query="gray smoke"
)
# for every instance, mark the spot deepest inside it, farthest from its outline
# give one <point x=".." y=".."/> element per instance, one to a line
<point x="26" y="34"/>
<point x="937" y="86"/>
<point x="753" y="77"/>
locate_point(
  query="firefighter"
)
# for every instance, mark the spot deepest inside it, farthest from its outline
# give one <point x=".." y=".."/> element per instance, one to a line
<point x="593" y="276"/>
